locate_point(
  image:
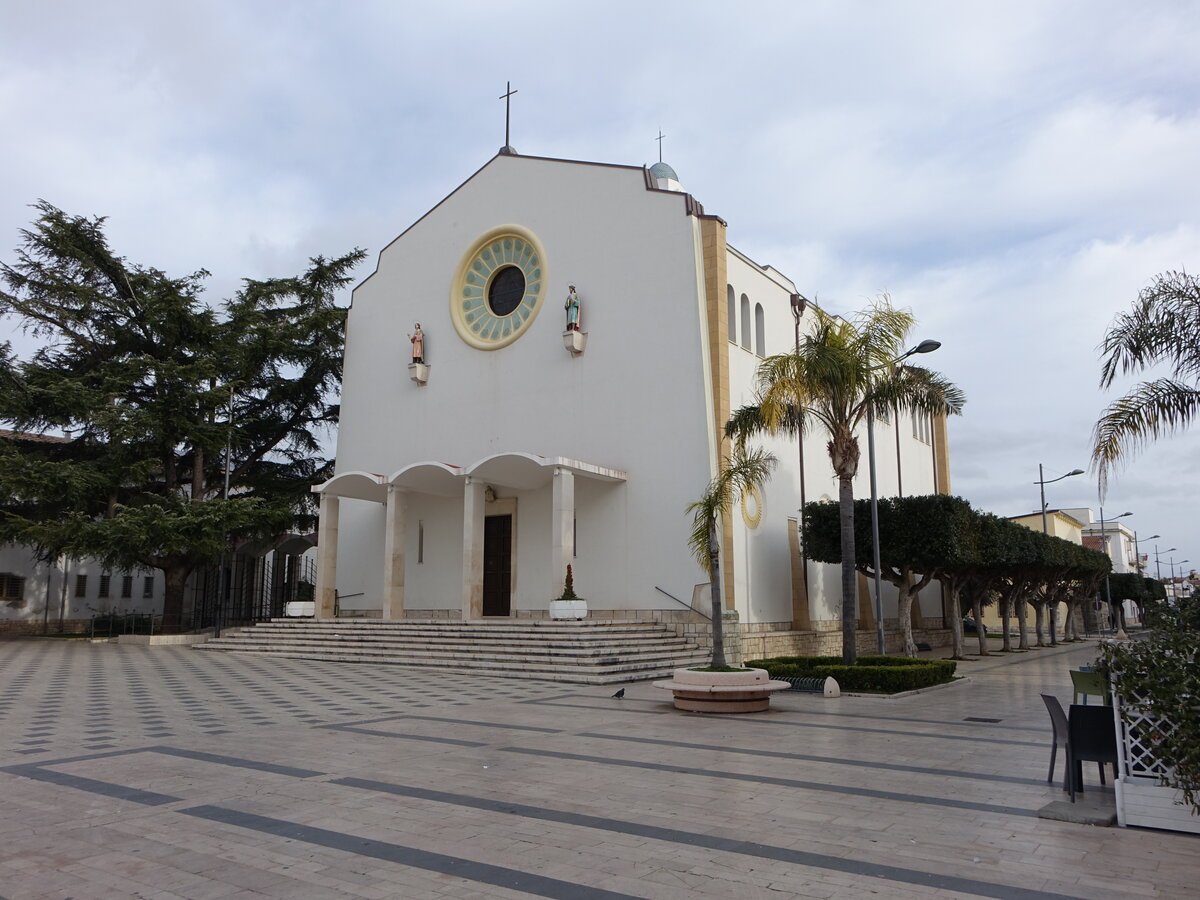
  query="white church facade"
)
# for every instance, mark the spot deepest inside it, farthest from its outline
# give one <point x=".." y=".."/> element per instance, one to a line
<point x="585" y="331"/>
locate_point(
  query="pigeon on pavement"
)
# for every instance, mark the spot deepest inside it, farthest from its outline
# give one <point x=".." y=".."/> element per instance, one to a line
<point x="619" y="694"/>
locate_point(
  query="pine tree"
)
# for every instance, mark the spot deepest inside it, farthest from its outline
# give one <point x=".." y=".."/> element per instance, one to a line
<point x="165" y="400"/>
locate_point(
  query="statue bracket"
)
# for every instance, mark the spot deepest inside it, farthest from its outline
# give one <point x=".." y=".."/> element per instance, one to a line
<point x="419" y="372"/>
<point x="575" y="341"/>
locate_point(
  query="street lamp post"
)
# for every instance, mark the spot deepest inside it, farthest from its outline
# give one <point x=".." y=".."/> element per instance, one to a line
<point x="1175" y="589"/>
<point x="1157" y="565"/>
<point x="923" y="347"/>
<point x="1118" y="631"/>
<point x="1137" y="554"/>
<point x="1137" y="565"/>
<point x="799" y="303"/>
<point x="1042" y="482"/>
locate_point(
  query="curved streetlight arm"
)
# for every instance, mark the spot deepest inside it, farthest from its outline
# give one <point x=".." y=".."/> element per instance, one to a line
<point x="1042" y="482"/>
<point x="1060" y="477"/>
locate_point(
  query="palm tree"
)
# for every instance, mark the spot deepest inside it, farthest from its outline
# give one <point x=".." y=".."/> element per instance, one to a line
<point x="743" y="472"/>
<point x="1163" y="327"/>
<point x="839" y="371"/>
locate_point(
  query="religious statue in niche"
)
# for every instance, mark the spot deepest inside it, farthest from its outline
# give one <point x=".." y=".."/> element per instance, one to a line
<point x="418" y="369"/>
<point x="574" y="338"/>
<point x="417" y="338"/>
<point x="572" y="308"/>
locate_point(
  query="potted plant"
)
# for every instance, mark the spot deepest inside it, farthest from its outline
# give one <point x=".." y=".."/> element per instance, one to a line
<point x="1156" y="683"/>
<point x="568" y="606"/>
<point x="720" y="687"/>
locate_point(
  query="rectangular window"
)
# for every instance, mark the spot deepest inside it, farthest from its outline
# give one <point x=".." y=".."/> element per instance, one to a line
<point x="12" y="587"/>
<point x="923" y="427"/>
<point x="148" y="587"/>
<point x="126" y="587"/>
<point x="80" y="585"/>
<point x="420" y="542"/>
<point x="105" y="581"/>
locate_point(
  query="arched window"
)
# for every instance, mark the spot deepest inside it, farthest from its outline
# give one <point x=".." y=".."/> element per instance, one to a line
<point x="760" y="331"/>
<point x="745" y="322"/>
<point x="731" y="311"/>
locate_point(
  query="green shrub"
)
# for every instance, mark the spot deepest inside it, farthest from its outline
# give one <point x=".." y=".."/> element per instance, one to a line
<point x="882" y="674"/>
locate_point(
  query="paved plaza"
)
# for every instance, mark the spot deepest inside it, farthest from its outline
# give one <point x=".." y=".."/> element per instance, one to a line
<point x="160" y="772"/>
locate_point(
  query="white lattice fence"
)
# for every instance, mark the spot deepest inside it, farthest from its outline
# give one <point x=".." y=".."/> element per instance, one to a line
<point x="1141" y="797"/>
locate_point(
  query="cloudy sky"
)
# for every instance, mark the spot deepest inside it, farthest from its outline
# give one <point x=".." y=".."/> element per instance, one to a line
<point x="1014" y="172"/>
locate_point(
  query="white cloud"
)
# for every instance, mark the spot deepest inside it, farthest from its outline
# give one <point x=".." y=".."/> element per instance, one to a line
<point x="1015" y="172"/>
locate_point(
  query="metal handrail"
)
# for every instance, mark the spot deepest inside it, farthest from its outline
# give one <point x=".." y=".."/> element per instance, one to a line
<point x="681" y="603"/>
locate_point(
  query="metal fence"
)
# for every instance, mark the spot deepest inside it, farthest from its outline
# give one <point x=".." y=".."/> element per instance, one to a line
<point x="247" y="589"/>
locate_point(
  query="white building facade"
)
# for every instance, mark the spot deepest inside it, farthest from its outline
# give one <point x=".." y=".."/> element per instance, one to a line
<point x="474" y="467"/>
<point x="37" y="597"/>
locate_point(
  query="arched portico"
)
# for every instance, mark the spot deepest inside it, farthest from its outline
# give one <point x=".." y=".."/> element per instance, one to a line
<point x="517" y="471"/>
<point x="350" y="485"/>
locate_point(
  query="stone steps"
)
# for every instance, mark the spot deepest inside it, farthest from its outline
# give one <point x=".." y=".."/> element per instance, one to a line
<point x="382" y="643"/>
<point x="586" y="652"/>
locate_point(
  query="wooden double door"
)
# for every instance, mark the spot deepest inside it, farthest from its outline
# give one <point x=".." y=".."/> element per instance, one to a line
<point x="497" y="565"/>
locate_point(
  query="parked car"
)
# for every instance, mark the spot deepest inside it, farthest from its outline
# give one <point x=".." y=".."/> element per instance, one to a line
<point x="969" y="626"/>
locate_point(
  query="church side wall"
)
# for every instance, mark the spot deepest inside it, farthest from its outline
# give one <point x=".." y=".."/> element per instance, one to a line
<point x="904" y="464"/>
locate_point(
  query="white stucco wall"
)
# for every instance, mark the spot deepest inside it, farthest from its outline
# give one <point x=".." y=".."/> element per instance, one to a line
<point x="43" y="599"/>
<point x="904" y="466"/>
<point x="635" y="401"/>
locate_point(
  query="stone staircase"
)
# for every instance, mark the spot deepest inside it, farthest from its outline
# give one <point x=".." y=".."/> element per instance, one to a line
<point x="584" y="652"/>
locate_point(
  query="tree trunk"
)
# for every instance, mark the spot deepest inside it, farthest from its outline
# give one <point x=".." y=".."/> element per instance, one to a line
<point x="197" y="474"/>
<point x="907" y="595"/>
<point x="175" y="578"/>
<point x="1038" y="615"/>
<point x="977" y="612"/>
<point x="714" y="574"/>
<point x="1023" y="623"/>
<point x="1090" y="618"/>
<point x="849" y="573"/>
<point x="1053" y="604"/>
<point x="955" y="624"/>
<point x="1006" y="605"/>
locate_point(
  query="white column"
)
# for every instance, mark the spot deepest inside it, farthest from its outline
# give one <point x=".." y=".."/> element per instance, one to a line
<point x="562" y="528"/>
<point x="393" y="555"/>
<point x="473" y="502"/>
<point x="327" y="546"/>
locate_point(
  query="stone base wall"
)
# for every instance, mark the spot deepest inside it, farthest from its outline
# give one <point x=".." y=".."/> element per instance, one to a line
<point x="36" y="626"/>
<point x="761" y="640"/>
<point x="665" y="616"/>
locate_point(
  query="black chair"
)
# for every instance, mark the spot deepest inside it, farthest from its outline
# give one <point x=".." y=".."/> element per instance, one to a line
<point x="1058" y="720"/>
<point x="1091" y="735"/>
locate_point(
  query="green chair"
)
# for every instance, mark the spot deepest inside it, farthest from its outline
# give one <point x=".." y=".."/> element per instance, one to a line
<point x="1093" y="683"/>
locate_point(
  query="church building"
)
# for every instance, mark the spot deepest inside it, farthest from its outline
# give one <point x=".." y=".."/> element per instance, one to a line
<point x="537" y="376"/>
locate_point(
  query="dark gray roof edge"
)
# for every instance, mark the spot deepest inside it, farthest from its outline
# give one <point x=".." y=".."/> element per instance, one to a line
<point x="691" y="206"/>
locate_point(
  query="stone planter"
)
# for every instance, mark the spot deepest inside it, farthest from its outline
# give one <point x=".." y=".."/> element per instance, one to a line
<point x="568" y="609"/>
<point x="1142" y="798"/>
<point x="722" y="692"/>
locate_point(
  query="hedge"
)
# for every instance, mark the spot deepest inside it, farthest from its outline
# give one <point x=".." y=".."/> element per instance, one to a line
<point x="883" y="674"/>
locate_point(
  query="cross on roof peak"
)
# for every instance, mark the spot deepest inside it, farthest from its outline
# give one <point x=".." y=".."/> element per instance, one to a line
<point x="506" y="97"/>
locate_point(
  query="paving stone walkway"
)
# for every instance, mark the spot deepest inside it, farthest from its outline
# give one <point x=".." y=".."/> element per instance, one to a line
<point x="166" y="773"/>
